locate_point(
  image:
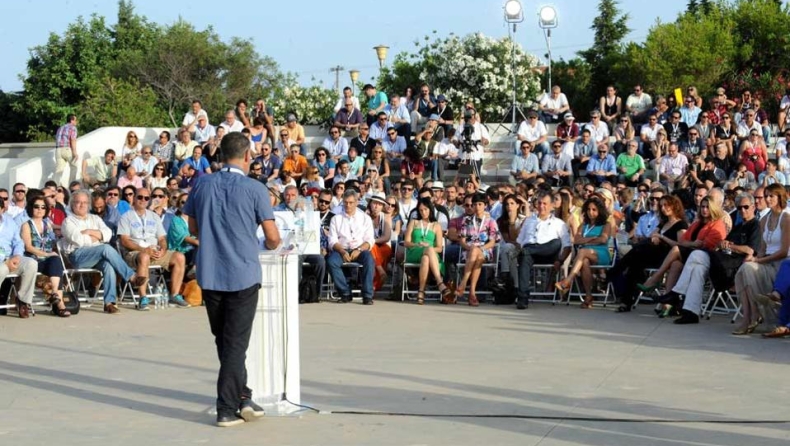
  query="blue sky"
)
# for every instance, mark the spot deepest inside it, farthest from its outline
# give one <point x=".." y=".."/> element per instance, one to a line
<point x="308" y="40"/>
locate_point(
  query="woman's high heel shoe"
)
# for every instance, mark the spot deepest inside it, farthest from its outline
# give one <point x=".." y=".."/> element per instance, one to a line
<point x="421" y="298"/>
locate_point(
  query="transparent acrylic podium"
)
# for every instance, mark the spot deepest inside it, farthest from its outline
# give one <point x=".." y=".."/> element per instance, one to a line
<point x="273" y="368"/>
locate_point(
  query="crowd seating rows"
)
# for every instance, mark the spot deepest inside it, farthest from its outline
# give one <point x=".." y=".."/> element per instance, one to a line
<point x="693" y="195"/>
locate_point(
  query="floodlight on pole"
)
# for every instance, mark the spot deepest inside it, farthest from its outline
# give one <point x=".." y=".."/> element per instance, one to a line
<point x="548" y="19"/>
<point x="514" y="14"/>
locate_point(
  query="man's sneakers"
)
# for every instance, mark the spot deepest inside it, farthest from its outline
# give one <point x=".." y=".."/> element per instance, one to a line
<point x="229" y="420"/>
<point x="249" y="410"/>
<point x="142" y="305"/>
<point x="178" y="301"/>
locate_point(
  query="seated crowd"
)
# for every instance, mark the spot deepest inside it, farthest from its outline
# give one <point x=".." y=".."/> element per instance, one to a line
<point x="691" y="194"/>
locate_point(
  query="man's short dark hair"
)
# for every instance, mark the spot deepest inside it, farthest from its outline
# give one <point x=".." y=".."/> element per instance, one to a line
<point x="586" y="130"/>
<point x="109" y="152"/>
<point x="196" y="101"/>
<point x="71" y="117"/>
<point x="233" y="146"/>
<point x="241" y="101"/>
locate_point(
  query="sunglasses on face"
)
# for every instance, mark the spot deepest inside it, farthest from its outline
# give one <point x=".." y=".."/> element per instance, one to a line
<point x="159" y="168"/>
<point x="112" y="194"/>
<point x="158" y="195"/>
<point x="20" y="191"/>
<point x="39" y="206"/>
<point x="744" y="207"/>
<point x="655" y="198"/>
<point x="146" y="153"/>
<point x="144" y="197"/>
<point x="128" y="194"/>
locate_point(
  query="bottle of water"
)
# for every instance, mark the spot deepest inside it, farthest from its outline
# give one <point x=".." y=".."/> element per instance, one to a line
<point x="162" y="296"/>
<point x="157" y="302"/>
<point x="299" y="222"/>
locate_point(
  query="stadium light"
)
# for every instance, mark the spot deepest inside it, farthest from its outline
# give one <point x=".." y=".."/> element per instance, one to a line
<point x="514" y="13"/>
<point x="548" y="19"/>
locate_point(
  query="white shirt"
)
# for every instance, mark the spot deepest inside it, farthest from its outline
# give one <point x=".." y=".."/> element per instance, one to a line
<point x="140" y="165"/>
<point x="554" y="104"/>
<point x="236" y="127"/>
<point x="599" y="133"/>
<point x="144" y="230"/>
<point x="650" y="132"/>
<point x="397" y="146"/>
<point x="744" y="129"/>
<point x="74" y="238"/>
<point x="14" y="210"/>
<point x="190" y="117"/>
<point x="445" y="149"/>
<point x="530" y="133"/>
<point x="341" y="103"/>
<point x="478" y="134"/>
<point x="674" y="166"/>
<point x="336" y="148"/>
<point x="640" y="103"/>
<point x="537" y="231"/>
<point x="351" y="231"/>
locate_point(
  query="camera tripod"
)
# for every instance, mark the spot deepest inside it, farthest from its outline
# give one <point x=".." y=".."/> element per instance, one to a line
<point x="512" y="113"/>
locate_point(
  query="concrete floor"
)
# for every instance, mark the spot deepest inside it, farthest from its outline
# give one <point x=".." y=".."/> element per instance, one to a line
<point x="149" y="378"/>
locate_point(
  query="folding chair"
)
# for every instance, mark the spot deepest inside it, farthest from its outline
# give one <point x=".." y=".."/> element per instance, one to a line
<point x="70" y="274"/>
<point x="544" y="276"/>
<point x="721" y="302"/>
<point x="577" y="289"/>
<point x="12" y="292"/>
<point x="355" y="268"/>
<point x="153" y="285"/>
<point x="492" y="264"/>
<point x="405" y="291"/>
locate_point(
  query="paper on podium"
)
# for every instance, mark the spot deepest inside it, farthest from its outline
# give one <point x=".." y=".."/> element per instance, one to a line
<point x="304" y="238"/>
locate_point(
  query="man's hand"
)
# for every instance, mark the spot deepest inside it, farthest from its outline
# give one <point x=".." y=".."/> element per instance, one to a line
<point x="355" y="254"/>
<point x="346" y="257"/>
<point x="13" y="263"/>
<point x="93" y="233"/>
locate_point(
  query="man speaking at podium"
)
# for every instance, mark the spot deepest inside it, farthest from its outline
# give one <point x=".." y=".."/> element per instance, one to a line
<point x="224" y="211"/>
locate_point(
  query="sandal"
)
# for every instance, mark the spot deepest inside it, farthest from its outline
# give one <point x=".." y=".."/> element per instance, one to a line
<point x="472" y="301"/>
<point x="420" y="298"/>
<point x="778" y="332"/>
<point x="587" y="304"/>
<point x="561" y="287"/>
<point x="55" y="301"/>
<point x="753" y="326"/>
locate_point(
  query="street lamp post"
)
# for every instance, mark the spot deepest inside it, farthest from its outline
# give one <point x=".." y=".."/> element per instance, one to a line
<point x="381" y="53"/>
<point x="547" y="20"/>
<point x="354" y="74"/>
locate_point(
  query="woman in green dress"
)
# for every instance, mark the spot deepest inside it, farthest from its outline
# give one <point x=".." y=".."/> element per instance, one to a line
<point x="424" y="242"/>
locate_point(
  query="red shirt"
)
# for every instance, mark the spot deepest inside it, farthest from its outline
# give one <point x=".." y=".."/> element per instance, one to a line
<point x="57" y="216"/>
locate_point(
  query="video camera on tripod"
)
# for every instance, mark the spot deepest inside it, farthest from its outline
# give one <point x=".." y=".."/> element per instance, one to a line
<point x="468" y="145"/>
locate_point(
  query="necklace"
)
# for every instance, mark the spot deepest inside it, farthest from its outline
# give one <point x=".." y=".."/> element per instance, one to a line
<point x="769" y="232"/>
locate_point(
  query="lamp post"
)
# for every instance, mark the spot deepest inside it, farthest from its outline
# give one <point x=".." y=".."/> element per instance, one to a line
<point x="514" y="14"/>
<point x="547" y="20"/>
<point x="354" y="74"/>
<point x="381" y="53"/>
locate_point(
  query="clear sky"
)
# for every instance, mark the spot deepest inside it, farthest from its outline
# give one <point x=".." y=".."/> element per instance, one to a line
<point x="310" y="37"/>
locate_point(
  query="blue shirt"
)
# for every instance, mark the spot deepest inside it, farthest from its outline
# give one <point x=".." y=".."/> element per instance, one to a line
<point x="228" y="207"/>
<point x="268" y="166"/>
<point x="200" y="165"/>
<point x="647" y="224"/>
<point x="323" y="169"/>
<point x="528" y="163"/>
<point x="607" y="164"/>
<point x="122" y="208"/>
<point x="375" y="102"/>
<point x="10" y="242"/>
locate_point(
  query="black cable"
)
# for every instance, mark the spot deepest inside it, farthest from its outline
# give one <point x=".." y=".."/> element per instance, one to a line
<point x="550" y="418"/>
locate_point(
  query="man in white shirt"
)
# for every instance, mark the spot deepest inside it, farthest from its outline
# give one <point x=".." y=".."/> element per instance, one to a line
<point x="479" y="137"/>
<point x="190" y="118"/>
<point x="230" y="123"/>
<point x="747" y="125"/>
<point x="144" y="243"/>
<point x="86" y="246"/>
<point x="350" y="239"/>
<point x="14" y="261"/>
<point x="544" y="239"/>
<point x="673" y="167"/>
<point x="689" y="113"/>
<point x="784" y="111"/>
<point x="144" y="165"/>
<point x="553" y="106"/>
<point x="337" y="146"/>
<point x="598" y="128"/>
<point x="399" y="116"/>
<point x="535" y="132"/>
<point x="648" y="133"/>
<point x="347" y="94"/>
<point x="638" y="105"/>
<point x="203" y="130"/>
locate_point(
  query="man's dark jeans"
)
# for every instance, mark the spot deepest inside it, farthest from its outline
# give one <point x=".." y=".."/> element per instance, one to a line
<point x="543" y="254"/>
<point x="230" y="314"/>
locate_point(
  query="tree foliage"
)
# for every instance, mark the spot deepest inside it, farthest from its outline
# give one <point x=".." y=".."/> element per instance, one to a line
<point x="93" y="65"/>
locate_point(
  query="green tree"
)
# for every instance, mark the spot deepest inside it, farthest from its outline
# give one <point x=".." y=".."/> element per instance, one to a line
<point x="60" y="72"/>
<point x="611" y="27"/>
<point x="12" y="124"/>
<point x="113" y="101"/>
<point x="691" y="51"/>
<point x="574" y="76"/>
<point x="692" y="7"/>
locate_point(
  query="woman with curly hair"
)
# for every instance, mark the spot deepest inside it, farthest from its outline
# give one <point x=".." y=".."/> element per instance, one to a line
<point x="592" y="242"/>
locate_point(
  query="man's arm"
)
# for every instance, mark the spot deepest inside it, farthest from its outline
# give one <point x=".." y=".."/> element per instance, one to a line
<point x="271" y="234"/>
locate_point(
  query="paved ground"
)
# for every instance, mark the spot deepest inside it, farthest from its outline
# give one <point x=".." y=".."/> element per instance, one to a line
<point x="148" y="379"/>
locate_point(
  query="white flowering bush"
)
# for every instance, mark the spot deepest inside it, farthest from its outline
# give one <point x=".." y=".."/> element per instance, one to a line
<point x="478" y="68"/>
<point x="312" y="105"/>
